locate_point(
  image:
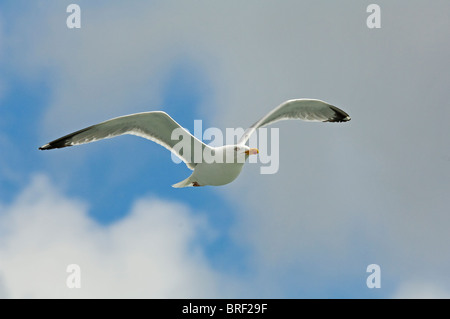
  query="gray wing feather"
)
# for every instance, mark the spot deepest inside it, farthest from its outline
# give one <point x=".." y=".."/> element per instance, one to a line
<point x="303" y="109"/>
<point x="155" y="126"/>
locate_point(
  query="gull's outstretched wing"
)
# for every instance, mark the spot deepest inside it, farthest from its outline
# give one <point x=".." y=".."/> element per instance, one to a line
<point x="156" y="126"/>
<point x="303" y="109"/>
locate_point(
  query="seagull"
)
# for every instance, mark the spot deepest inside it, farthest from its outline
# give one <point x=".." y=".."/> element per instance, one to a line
<point x="159" y="127"/>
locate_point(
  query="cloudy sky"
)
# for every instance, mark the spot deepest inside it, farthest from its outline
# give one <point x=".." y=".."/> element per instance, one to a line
<point x="370" y="191"/>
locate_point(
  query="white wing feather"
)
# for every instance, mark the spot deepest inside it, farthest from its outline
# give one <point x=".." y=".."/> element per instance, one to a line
<point x="155" y="126"/>
<point x="303" y="109"/>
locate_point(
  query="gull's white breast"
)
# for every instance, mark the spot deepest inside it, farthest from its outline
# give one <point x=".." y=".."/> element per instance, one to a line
<point x="217" y="173"/>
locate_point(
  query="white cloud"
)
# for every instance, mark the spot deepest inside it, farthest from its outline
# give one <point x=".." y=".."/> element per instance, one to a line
<point x="421" y="290"/>
<point x="152" y="252"/>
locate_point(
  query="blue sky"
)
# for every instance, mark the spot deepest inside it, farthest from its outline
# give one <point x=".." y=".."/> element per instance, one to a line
<point x="373" y="190"/>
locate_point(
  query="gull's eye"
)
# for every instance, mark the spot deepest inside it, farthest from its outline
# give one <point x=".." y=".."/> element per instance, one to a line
<point x="236" y="149"/>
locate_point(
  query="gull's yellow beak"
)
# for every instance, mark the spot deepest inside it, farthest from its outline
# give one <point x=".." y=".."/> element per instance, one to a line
<point x="252" y="151"/>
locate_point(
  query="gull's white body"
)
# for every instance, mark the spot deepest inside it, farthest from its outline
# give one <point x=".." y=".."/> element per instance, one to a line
<point x="158" y="127"/>
<point x="216" y="174"/>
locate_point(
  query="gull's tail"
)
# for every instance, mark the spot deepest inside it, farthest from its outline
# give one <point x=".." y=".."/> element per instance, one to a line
<point x="188" y="182"/>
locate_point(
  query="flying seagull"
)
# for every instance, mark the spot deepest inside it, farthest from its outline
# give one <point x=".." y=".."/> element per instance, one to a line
<point x="159" y="127"/>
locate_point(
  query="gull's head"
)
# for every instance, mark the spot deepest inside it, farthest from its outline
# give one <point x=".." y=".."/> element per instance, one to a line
<point x="236" y="153"/>
<point x="242" y="152"/>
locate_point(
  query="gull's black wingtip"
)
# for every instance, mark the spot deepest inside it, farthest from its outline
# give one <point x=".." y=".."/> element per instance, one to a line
<point x="45" y="147"/>
<point x="53" y="145"/>
<point x="339" y="116"/>
<point x="64" y="141"/>
<point x="340" y="119"/>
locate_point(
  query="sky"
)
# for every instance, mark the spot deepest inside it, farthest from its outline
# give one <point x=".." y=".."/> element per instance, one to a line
<point x="370" y="191"/>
